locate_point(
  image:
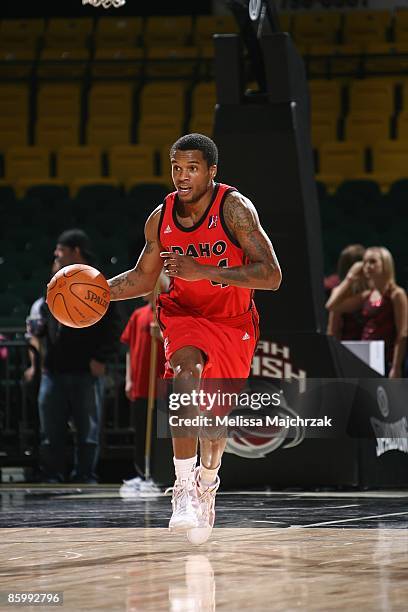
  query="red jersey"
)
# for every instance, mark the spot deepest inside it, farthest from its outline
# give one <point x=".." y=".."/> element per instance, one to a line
<point x="210" y="243"/>
<point x="137" y="335"/>
<point x="379" y="322"/>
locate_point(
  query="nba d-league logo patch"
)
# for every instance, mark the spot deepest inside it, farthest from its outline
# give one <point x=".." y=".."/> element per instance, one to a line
<point x="212" y="221"/>
<point x="105" y="3"/>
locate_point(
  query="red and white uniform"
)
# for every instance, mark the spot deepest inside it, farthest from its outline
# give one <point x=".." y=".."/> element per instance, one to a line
<point x="137" y="336"/>
<point x="219" y="319"/>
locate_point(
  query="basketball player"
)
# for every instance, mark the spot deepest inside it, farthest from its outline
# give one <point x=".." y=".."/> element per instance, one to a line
<point x="213" y="248"/>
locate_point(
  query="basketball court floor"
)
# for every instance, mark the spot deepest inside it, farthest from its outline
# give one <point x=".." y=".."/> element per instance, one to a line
<point x="269" y="551"/>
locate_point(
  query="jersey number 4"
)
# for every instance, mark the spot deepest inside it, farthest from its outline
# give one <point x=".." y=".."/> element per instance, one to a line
<point x="223" y="263"/>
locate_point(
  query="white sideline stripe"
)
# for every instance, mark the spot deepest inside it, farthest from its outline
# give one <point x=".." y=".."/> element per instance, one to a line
<point x="358" y="518"/>
<point x="274" y="522"/>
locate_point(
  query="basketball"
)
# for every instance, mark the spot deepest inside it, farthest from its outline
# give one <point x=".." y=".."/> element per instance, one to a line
<point x="78" y="295"/>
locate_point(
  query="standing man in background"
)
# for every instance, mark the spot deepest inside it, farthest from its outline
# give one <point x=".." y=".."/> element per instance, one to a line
<point x="72" y="378"/>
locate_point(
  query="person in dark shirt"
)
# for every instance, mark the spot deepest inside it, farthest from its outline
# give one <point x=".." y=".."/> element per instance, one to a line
<point x="72" y="378"/>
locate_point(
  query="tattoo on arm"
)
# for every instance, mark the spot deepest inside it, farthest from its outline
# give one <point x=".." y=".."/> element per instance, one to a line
<point x="123" y="282"/>
<point x="242" y="221"/>
<point x="149" y="247"/>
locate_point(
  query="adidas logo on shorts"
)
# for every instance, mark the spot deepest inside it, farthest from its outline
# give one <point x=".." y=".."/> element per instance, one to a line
<point x="246" y="336"/>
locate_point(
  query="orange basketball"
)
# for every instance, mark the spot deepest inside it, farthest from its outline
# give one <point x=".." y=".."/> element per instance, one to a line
<point x="78" y="295"/>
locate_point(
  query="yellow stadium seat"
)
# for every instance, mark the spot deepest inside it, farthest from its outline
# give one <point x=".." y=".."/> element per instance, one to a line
<point x="324" y="128"/>
<point x="133" y="161"/>
<point x="401" y="25"/>
<point x="27" y="163"/>
<point x="34" y="27"/>
<point x="158" y="129"/>
<point x="108" y="131"/>
<point x="21" y="33"/>
<point x="163" y="98"/>
<point x="57" y="132"/>
<point x="367" y="127"/>
<point x="68" y="32"/>
<point x="380" y="58"/>
<point x="119" y="32"/>
<point x="366" y="26"/>
<point x="207" y="25"/>
<point x="316" y="28"/>
<point x="391" y="157"/>
<point x="16" y="63"/>
<point x="19" y="42"/>
<point x="117" y="62"/>
<point x="402" y="126"/>
<point x="325" y="96"/>
<point x="13" y="132"/>
<point x="111" y="98"/>
<point x="390" y="162"/>
<point x="285" y="21"/>
<point x="207" y="51"/>
<point x="63" y="63"/>
<point x="203" y="98"/>
<point x="202" y="124"/>
<point x="165" y="165"/>
<point x="405" y="94"/>
<point x="176" y="62"/>
<point x="334" y="59"/>
<point x="79" y="163"/>
<point x="168" y="30"/>
<point x="372" y="95"/>
<point x="14" y="100"/>
<point x="340" y="161"/>
<point x="56" y="100"/>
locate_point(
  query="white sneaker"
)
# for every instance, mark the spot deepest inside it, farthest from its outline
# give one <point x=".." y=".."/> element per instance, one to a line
<point x="131" y="488"/>
<point x="185" y="508"/>
<point x="148" y="488"/>
<point x="206" y="511"/>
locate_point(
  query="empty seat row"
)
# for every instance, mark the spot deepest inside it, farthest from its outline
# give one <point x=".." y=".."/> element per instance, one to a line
<point x="64" y="100"/>
<point x="354" y="26"/>
<point x="114" y="31"/>
<point x="344" y="160"/>
<point x="25" y="166"/>
<point x="110" y="114"/>
<point x="364" y="127"/>
<point x="363" y="95"/>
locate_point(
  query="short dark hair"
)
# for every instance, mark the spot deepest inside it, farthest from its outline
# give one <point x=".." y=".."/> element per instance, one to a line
<point x="77" y="238"/>
<point x="197" y="142"/>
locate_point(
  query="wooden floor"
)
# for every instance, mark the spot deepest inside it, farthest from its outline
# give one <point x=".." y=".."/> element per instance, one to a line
<point x="239" y="569"/>
<point x="269" y="551"/>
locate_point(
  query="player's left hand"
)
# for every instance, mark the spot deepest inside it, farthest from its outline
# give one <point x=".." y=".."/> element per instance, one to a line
<point x="182" y="266"/>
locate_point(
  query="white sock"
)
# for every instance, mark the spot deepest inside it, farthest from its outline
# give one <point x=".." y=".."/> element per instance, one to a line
<point x="207" y="476"/>
<point x="185" y="468"/>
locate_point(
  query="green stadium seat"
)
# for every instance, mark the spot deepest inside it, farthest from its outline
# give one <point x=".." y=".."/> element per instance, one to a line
<point x="97" y="193"/>
<point x="13" y="307"/>
<point x="365" y="190"/>
<point x="28" y="290"/>
<point x="48" y="193"/>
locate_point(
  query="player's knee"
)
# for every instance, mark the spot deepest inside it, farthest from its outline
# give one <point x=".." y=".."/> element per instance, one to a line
<point x="188" y="369"/>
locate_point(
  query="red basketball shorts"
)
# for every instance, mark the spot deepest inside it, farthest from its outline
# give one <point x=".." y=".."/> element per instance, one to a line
<point x="228" y="344"/>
